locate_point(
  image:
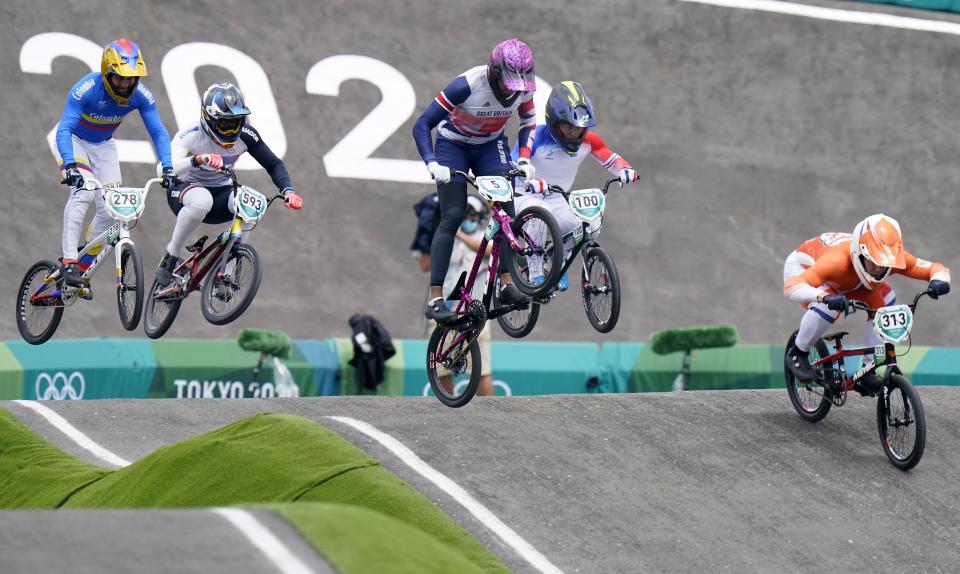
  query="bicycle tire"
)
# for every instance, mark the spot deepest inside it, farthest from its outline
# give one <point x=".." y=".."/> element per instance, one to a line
<point x="41" y="335"/>
<point x="913" y="408"/>
<point x="156" y="327"/>
<point x="528" y="233"/>
<point x="809" y="413"/>
<point x="130" y="318"/>
<point x="589" y="292"/>
<point x="469" y="361"/>
<point x="245" y="255"/>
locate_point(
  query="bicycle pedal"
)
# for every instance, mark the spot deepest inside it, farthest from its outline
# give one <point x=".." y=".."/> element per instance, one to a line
<point x="86" y="293"/>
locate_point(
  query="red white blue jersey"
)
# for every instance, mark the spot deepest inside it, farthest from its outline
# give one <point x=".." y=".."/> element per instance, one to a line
<point x="555" y="166"/>
<point x="469" y="111"/>
<point x="476" y="115"/>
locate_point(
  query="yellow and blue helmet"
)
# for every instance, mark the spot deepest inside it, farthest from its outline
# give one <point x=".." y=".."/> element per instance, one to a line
<point x="569" y="103"/>
<point x="122" y="58"/>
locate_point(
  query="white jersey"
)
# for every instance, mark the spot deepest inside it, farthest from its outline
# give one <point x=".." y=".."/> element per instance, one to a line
<point x="193" y="141"/>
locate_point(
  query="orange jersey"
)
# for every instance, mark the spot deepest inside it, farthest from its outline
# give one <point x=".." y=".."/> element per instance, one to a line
<point x="816" y="246"/>
<point x="833" y="270"/>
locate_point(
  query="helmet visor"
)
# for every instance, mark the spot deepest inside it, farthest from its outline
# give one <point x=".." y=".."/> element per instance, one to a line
<point x="229" y="126"/>
<point x="517" y="81"/>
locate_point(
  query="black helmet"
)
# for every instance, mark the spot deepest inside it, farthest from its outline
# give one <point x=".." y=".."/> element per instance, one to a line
<point x="224" y="112"/>
<point x="569" y="103"/>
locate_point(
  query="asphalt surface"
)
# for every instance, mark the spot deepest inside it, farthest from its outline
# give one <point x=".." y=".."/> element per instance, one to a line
<point x="149" y="541"/>
<point x="707" y="481"/>
<point x="752" y="131"/>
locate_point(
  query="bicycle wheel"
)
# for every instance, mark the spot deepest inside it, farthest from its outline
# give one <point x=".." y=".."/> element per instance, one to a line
<point x="537" y="230"/>
<point x="518" y="323"/>
<point x="130" y="287"/>
<point x="453" y="365"/>
<point x="809" y="399"/>
<point x="160" y="312"/>
<point x="225" y="298"/>
<point x="902" y="423"/>
<point x="600" y="289"/>
<point x="38" y="319"/>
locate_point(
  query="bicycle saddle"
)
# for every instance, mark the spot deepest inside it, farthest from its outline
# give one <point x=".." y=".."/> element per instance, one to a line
<point x="835" y="336"/>
<point x="198" y="245"/>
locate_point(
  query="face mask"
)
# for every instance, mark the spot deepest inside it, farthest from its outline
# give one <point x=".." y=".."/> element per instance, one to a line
<point x="469" y="226"/>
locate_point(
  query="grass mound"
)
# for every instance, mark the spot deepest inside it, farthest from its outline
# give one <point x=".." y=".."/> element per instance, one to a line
<point x="264" y="459"/>
<point x="356" y="539"/>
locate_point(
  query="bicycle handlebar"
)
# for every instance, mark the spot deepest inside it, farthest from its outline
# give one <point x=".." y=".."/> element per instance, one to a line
<point x="232" y="175"/>
<point x="854" y="306"/>
<point x="566" y="194"/>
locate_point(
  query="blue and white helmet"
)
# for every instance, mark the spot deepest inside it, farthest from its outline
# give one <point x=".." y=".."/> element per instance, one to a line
<point x="224" y="112"/>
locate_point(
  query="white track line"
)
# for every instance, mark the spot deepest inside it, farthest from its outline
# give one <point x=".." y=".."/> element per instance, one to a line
<point x="74" y="433"/>
<point x="479" y="511"/>
<point x="837" y="15"/>
<point x="264" y="540"/>
<point x="245" y="522"/>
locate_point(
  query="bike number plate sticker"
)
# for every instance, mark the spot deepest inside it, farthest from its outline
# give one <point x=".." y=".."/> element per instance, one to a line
<point x="893" y="323"/>
<point x="494" y="188"/>
<point x="124" y="204"/>
<point x="588" y="204"/>
<point x="251" y="204"/>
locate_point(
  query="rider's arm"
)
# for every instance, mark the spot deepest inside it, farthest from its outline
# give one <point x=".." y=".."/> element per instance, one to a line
<point x="151" y="120"/>
<point x="527" y="114"/>
<point x="807" y="286"/>
<point x="265" y="157"/>
<point x="182" y="158"/>
<point x="610" y="160"/>
<point x="924" y="270"/>
<point x="447" y="99"/>
<point x="69" y="120"/>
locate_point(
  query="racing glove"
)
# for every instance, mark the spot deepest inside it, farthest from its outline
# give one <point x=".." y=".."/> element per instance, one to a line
<point x="72" y="176"/>
<point x="290" y="199"/>
<point x="835" y="302"/>
<point x="938" y="288"/>
<point x="524" y="165"/>
<point x="628" y="175"/>
<point x="439" y="173"/>
<point x="536" y="185"/>
<point x="169" y="179"/>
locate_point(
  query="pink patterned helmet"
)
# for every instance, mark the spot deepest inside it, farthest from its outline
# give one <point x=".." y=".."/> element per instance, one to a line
<point x="512" y="62"/>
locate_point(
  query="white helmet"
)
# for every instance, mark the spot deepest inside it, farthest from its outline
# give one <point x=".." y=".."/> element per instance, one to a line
<point x="877" y="238"/>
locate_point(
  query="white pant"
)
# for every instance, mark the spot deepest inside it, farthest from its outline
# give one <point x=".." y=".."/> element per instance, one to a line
<point x="566" y="219"/>
<point x="197" y="202"/>
<point x="97" y="161"/>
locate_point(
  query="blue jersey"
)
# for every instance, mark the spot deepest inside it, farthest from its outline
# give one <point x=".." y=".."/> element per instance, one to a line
<point x="92" y="114"/>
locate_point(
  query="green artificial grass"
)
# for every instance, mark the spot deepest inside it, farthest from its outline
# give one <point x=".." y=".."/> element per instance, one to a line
<point x="693" y="338"/>
<point x="358" y="540"/>
<point x="267" y="458"/>
<point x="276" y="343"/>
<point x="34" y="473"/>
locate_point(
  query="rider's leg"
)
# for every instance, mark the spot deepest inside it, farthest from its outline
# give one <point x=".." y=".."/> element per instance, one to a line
<point x="452" y="199"/>
<point x="191" y="203"/>
<point x="493" y="158"/>
<point x="814" y="324"/>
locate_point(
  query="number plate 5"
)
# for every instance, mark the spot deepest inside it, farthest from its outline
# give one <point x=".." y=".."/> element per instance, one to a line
<point x="125" y="204"/>
<point x="250" y="204"/>
<point x="588" y="204"/>
<point x="893" y="323"/>
<point x="494" y="188"/>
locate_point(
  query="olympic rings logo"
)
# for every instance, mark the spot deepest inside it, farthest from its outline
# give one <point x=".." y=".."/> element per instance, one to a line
<point x="60" y="386"/>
